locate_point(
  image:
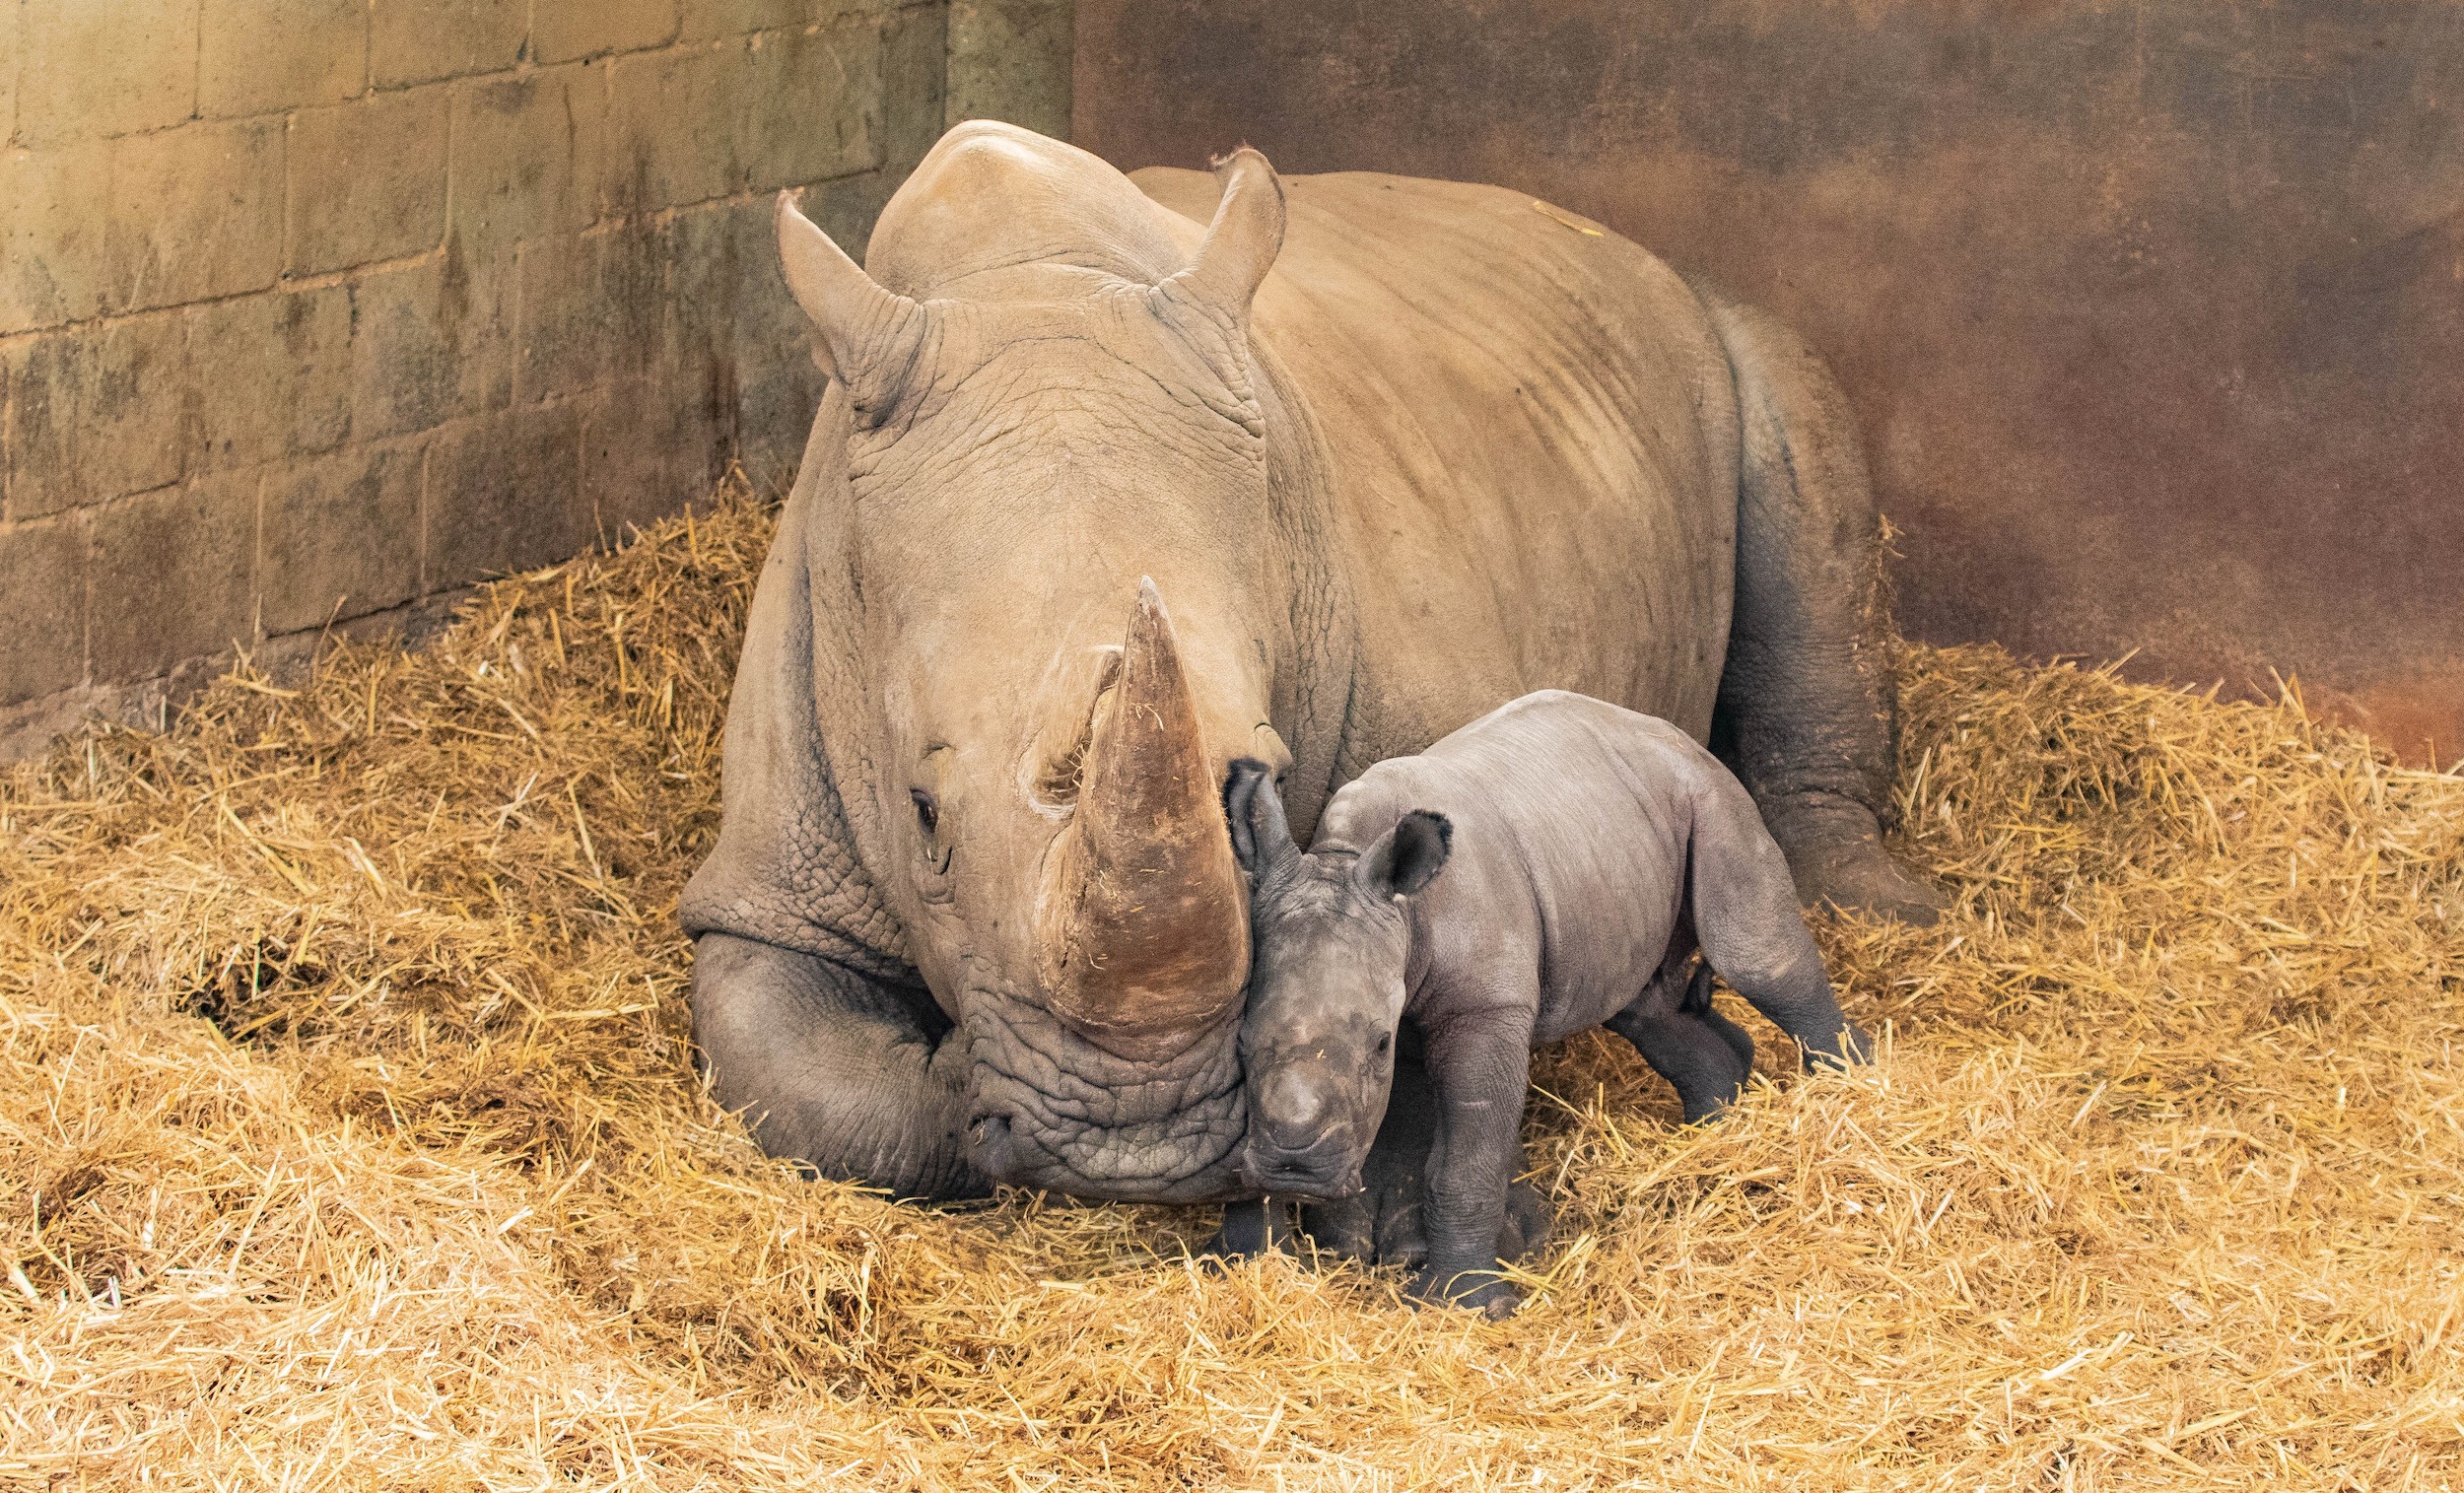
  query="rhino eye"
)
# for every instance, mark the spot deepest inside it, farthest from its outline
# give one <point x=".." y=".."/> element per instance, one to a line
<point x="1383" y="1042"/>
<point x="927" y="812"/>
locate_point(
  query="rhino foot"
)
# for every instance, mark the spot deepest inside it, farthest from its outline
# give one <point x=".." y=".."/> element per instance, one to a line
<point x="1866" y="878"/>
<point x="1477" y="1290"/>
<point x="1835" y="855"/>
<point x="1259" y="1226"/>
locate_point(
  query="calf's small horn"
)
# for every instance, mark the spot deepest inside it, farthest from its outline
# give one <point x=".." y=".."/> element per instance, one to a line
<point x="1141" y="927"/>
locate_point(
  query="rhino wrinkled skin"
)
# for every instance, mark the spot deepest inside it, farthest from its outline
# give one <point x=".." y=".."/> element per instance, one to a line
<point x="1121" y="478"/>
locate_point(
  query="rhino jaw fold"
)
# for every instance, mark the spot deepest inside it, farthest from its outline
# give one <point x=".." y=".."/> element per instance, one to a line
<point x="1142" y="923"/>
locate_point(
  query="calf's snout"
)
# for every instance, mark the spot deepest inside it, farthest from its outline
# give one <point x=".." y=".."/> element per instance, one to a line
<point x="1297" y="1104"/>
<point x="1300" y="1137"/>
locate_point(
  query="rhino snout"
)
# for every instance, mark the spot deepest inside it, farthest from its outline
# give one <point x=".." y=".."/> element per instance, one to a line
<point x="1297" y="1104"/>
<point x="1300" y="1138"/>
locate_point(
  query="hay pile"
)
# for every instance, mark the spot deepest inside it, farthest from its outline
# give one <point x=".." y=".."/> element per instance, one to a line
<point x="347" y="1138"/>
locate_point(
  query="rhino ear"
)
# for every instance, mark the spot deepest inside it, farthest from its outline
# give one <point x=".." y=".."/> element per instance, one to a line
<point x="1255" y="810"/>
<point x="864" y="336"/>
<point x="1240" y="243"/>
<point x="1406" y="857"/>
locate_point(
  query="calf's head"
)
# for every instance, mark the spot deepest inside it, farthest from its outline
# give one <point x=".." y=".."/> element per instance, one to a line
<point x="1330" y="947"/>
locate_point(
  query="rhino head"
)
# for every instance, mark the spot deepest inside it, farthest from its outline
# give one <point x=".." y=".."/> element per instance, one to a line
<point x="1038" y="452"/>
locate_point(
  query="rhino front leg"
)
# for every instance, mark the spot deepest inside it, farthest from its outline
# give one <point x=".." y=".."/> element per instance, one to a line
<point x="1480" y="1064"/>
<point x="1808" y="705"/>
<point x="834" y="1069"/>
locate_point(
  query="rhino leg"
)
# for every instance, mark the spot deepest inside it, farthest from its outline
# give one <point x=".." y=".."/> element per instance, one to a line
<point x="1381" y="1224"/>
<point x="1745" y="916"/>
<point x="1807" y="712"/>
<point x="1697" y="1004"/>
<point x="832" y="1068"/>
<point x="1701" y="1060"/>
<point x="1256" y="1226"/>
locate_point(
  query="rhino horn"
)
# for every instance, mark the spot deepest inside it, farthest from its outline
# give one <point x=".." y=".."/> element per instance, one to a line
<point x="865" y="337"/>
<point x="1141" y="927"/>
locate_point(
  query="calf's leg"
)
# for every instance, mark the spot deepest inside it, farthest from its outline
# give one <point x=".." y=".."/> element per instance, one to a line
<point x="1252" y="1227"/>
<point x="1697" y="1004"/>
<point x="1480" y="1063"/>
<point x="1381" y="1225"/>
<point x="1688" y="1052"/>
<point x="1752" y="932"/>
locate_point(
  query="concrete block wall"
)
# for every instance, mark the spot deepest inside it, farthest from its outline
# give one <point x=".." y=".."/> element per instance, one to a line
<point x="314" y="311"/>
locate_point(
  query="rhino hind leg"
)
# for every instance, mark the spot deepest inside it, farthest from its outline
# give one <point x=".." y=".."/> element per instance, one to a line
<point x="1688" y="1047"/>
<point x="1697" y="1004"/>
<point x="1807" y="712"/>
<point x="834" y="1069"/>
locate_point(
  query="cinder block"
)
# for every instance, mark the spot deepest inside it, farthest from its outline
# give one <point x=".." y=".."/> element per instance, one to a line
<point x="562" y="30"/>
<point x="591" y="310"/>
<point x="422" y="41"/>
<point x="726" y="296"/>
<point x="269" y="376"/>
<point x="339" y="537"/>
<point x="53" y="217"/>
<point x="195" y="212"/>
<point x="88" y="68"/>
<point x="93" y="412"/>
<point x="914" y="77"/>
<point x="670" y="129"/>
<point x="526" y="155"/>
<point x="704" y="20"/>
<point x="172" y="575"/>
<point x="258" y="56"/>
<point x="431" y="343"/>
<point x="9" y="48"/>
<point x="42" y="607"/>
<point x="1009" y="59"/>
<point x="774" y="416"/>
<point x="504" y="494"/>
<point x="368" y="180"/>
<point x="647" y="451"/>
<point x="770" y="111"/>
<point x="814" y="109"/>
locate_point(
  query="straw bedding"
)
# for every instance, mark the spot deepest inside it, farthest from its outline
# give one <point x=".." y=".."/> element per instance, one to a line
<point x="348" y="1137"/>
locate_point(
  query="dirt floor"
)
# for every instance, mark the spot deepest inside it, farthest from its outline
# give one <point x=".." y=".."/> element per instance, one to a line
<point x="348" y="1138"/>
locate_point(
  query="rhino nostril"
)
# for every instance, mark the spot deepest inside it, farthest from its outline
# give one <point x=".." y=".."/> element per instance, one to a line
<point x="1298" y="1106"/>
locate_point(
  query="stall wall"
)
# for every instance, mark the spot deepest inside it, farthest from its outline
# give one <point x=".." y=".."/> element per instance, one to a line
<point x="310" y="309"/>
<point x="2154" y="313"/>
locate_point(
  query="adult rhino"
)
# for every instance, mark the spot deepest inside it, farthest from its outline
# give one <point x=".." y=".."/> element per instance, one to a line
<point x="1120" y="478"/>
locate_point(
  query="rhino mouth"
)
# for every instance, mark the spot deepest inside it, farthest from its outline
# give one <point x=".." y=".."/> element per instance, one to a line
<point x="1050" y="1108"/>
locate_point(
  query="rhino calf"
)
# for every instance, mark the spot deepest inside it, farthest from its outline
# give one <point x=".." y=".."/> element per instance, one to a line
<point x="1588" y="851"/>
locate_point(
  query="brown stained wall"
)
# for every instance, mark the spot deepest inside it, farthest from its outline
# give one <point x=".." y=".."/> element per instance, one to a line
<point x="2154" y="314"/>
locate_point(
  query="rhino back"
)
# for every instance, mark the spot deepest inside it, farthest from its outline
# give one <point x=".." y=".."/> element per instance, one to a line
<point x="1530" y="432"/>
<point x="1572" y="818"/>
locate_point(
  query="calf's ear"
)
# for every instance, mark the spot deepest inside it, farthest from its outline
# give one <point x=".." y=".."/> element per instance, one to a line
<point x="1409" y="856"/>
<point x="1255" y="810"/>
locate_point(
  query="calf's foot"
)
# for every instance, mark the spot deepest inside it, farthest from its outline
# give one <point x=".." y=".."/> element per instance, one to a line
<point x="1249" y="1229"/>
